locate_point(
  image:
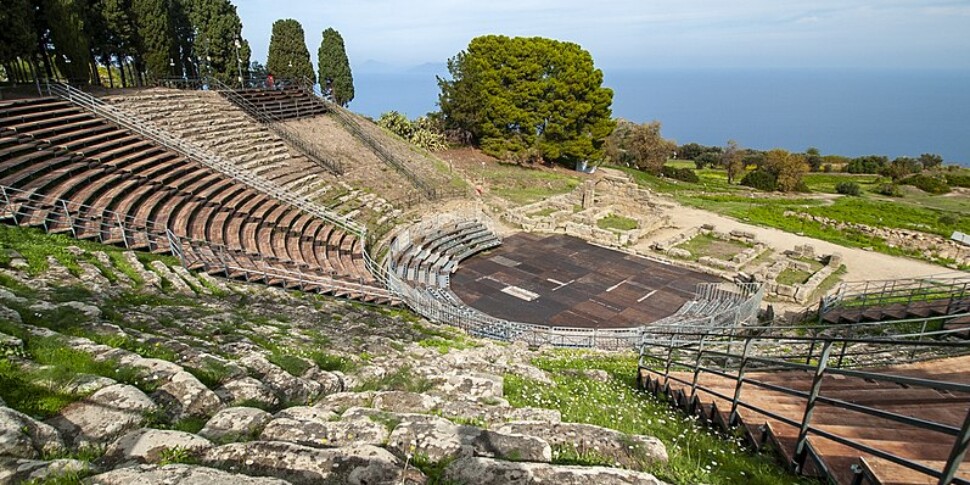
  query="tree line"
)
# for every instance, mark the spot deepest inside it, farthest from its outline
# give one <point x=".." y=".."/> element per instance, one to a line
<point x="121" y="42"/>
<point x="289" y="58"/>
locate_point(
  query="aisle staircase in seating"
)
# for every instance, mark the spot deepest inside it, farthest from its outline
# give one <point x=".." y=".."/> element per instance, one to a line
<point x="851" y="410"/>
<point x="67" y="169"/>
<point x="874" y="301"/>
<point x="283" y="104"/>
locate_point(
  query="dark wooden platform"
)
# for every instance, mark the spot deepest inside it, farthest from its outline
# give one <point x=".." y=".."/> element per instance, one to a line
<point x="576" y="284"/>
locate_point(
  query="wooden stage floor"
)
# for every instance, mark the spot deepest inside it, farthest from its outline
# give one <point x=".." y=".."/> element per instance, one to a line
<point x="564" y="281"/>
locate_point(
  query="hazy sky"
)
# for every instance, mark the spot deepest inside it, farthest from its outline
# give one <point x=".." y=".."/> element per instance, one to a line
<point x="641" y="33"/>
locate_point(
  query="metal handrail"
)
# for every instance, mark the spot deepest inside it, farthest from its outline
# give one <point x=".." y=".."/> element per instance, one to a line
<point x="690" y="358"/>
<point x="742" y="306"/>
<point x="275" y="124"/>
<point x="189" y="150"/>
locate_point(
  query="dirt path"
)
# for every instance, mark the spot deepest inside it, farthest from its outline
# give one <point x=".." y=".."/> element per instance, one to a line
<point x="860" y="264"/>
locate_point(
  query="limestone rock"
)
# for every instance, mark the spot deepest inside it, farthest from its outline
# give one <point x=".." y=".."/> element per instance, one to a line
<point x="180" y="474"/>
<point x="344" y="400"/>
<point x="247" y="390"/>
<point x="236" y="424"/>
<point x="24" y="437"/>
<point x="148" y="445"/>
<point x="440" y="439"/>
<point x="103" y="415"/>
<point x="286" y="386"/>
<point x="631" y="451"/>
<point x="18" y="470"/>
<point x="535" y="414"/>
<point x="184" y="396"/>
<point x="472" y="387"/>
<point x="531" y="372"/>
<point x="403" y="401"/>
<point x="487" y="471"/>
<point x="307" y="413"/>
<point x="330" y="383"/>
<point x="358" y="465"/>
<point x="326" y="434"/>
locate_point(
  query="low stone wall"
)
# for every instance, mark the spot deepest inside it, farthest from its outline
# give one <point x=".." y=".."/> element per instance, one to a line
<point x="799" y="293"/>
<point x="930" y="246"/>
<point x="739" y="260"/>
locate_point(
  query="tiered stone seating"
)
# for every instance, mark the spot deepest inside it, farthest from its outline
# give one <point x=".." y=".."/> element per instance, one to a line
<point x="207" y="120"/>
<point x="284" y="104"/>
<point x="68" y="170"/>
<point x="922" y="445"/>
<point x="430" y="258"/>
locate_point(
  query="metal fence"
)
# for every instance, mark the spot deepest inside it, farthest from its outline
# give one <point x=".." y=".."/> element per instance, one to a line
<point x="734" y="355"/>
<point x="714" y="305"/>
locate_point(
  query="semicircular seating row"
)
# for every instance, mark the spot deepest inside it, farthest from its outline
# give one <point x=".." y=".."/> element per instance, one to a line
<point x="63" y="162"/>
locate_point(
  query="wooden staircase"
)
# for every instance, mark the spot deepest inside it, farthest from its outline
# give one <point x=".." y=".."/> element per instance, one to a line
<point x="769" y="416"/>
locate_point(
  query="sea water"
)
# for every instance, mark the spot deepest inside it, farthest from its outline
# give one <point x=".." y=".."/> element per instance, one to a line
<point x="849" y="112"/>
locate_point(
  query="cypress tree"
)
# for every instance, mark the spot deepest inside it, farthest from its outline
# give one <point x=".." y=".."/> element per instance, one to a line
<point x="17" y="36"/>
<point x="65" y="19"/>
<point x="335" y="68"/>
<point x="288" y="54"/>
<point x="217" y="28"/>
<point x="153" y="24"/>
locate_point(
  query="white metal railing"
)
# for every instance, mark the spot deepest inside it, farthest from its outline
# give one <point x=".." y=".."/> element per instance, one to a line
<point x="715" y="305"/>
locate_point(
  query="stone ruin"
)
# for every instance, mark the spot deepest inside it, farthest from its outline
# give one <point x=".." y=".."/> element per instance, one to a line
<point x="670" y="248"/>
<point x="577" y="213"/>
<point x="795" y="259"/>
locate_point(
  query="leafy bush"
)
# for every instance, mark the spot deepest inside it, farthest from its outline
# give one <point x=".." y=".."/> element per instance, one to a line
<point x="928" y="183"/>
<point x="683" y="174"/>
<point x="891" y="190"/>
<point x="848" y="188"/>
<point x="419" y="132"/>
<point x="958" y="180"/>
<point x="760" y="179"/>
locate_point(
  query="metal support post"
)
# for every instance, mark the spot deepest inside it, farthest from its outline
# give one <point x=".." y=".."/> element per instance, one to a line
<point x="697" y="373"/>
<point x="801" y="451"/>
<point x="957" y="453"/>
<point x="733" y="416"/>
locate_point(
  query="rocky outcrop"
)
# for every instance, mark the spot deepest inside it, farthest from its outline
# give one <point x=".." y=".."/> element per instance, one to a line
<point x="150" y="446"/>
<point x="24" y="437"/>
<point x="247" y="390"/>
<point x="325" y="434"/>
<point x="486" y="471"/>
<point x="184" y="396"/>
<point x="440" y="439"/>
<point x="236" y="424"/>
<point x="180" y="474"/>
<point x="630" y="451"/>
<point x="19" y="470"/>
<point x="104" y="415"/>
<point x="305" y="465"/>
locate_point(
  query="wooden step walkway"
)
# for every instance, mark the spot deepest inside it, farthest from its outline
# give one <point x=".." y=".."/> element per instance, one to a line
<point x="828" y="457"/>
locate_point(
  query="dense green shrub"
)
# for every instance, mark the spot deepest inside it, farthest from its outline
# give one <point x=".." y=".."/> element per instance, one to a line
<point x="891" y="190"/>
<point x="760" y="179"/>
<point x="848" y="188"/>
<point x="684" y="174"/>
<point x="957" y="180"/>
<point x="928" y="183"/>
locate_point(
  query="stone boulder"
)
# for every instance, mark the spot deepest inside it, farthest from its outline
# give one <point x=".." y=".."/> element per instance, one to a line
<point x="286" y="386"/>
<point x="298" y="464"/>
<point x="19" y="470"/>
<point x="630" y="451"/>
<point x="104" y="415"/>
<point x="184" y="396"/>
<point x="236" y="424"/>
<point x="404" y="402"/>
<point x="472" y="387"/>
<point x="180" y="474"/>
<point x="247" y="390"/>
<point x="326" y="434"/>
<point x="487" y="471"/>
<point x="535" y="414"/>
<point x="24" y="437"/>
<point x="149" y="445"/>
<point x="330" y="383"/>
<point x="440" y="439"/>
<point x="342" y="401"/>
<point x="307" y="413"/>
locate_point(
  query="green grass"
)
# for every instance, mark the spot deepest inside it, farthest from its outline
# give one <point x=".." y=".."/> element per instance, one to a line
<point x="402" y="379"/>
<point x="546" y="212"/>
<point x="617" y="223"/>
<point x="40" y="391"/>
<point x="792" y="276"/>
<point x="697" y="454"/>
<point x="524" y="185"/>
<point x="708" y="245"/>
